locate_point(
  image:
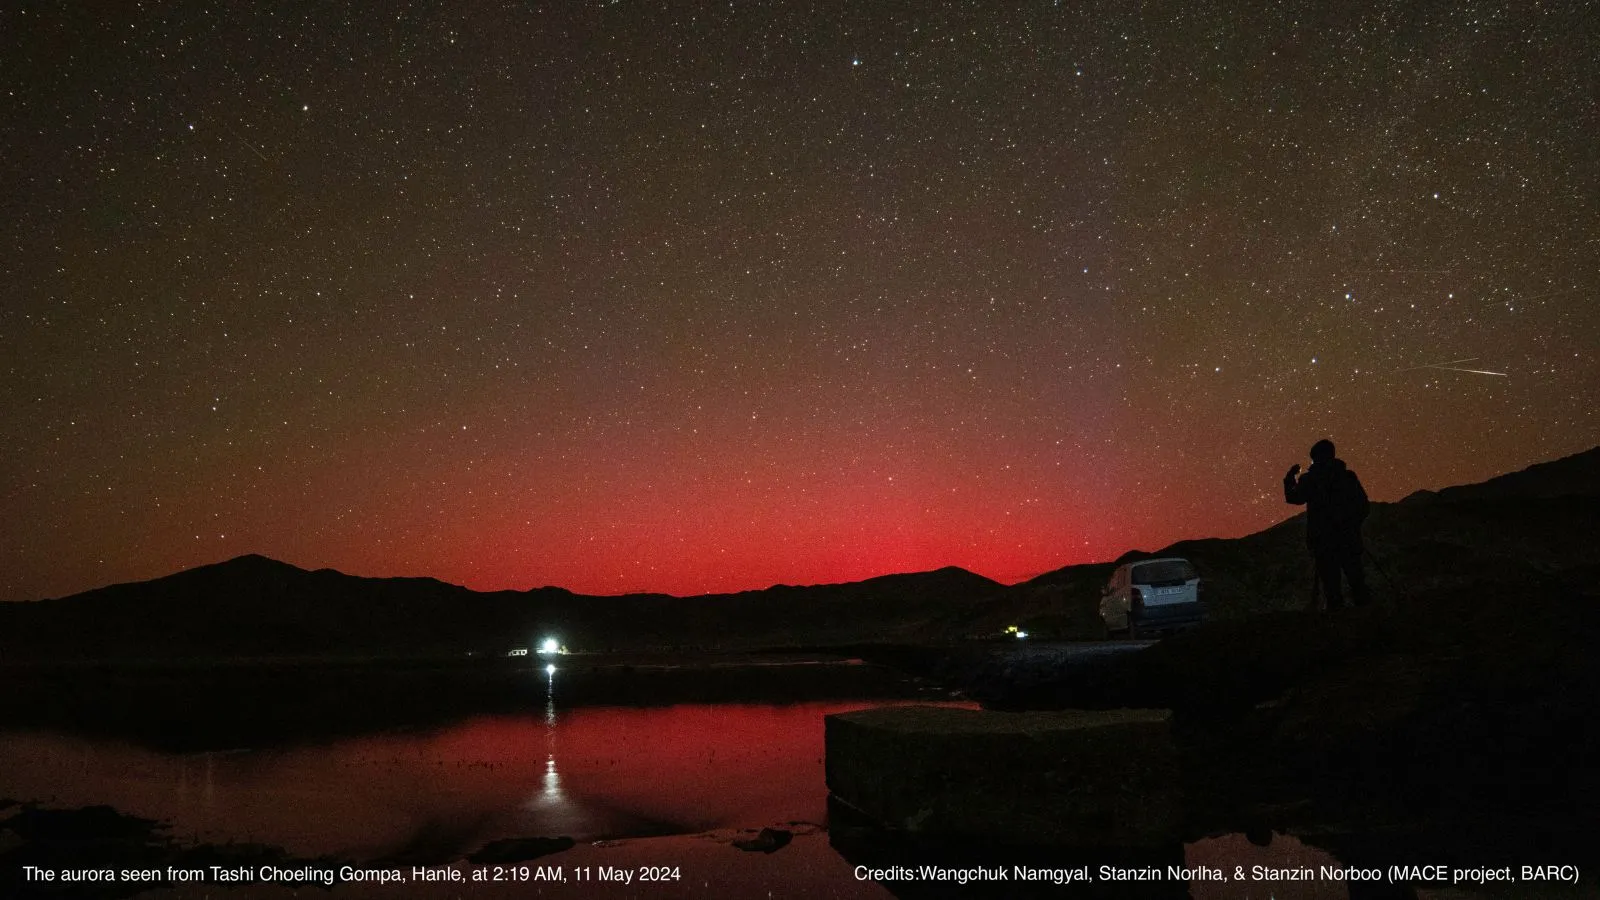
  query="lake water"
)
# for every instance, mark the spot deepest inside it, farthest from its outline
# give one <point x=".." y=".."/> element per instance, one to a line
<point x="669" y="785"/>
<point x="587" y="773"/>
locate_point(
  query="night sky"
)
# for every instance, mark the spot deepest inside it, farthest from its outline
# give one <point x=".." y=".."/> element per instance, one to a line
<point x="689" y="297"/>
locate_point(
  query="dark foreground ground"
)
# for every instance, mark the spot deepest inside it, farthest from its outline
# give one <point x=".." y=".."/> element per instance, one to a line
<point x="1454" y="726"/>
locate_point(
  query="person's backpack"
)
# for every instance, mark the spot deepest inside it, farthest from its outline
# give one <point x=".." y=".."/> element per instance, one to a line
<point x="1350" y="499"/>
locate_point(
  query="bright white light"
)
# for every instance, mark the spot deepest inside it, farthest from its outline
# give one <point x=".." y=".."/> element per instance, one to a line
<point x="1021" y="635"/>
<point x="550" y="669"/>
<point x="549" y="647"/>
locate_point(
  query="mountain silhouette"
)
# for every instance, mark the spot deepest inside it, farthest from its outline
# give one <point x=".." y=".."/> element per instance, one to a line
<point x="256" y="607"/>
<point x="1533" y="526"/>
<point x="1577" y="475"/>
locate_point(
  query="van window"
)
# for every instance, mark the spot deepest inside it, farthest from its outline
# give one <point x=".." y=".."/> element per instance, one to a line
<point x="1167" y="570"/>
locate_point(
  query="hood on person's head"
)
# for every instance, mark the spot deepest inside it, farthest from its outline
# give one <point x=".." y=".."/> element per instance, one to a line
<point x="1322" y="451"/>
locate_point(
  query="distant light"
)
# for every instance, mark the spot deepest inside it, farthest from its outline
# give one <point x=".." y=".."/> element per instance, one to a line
<point x="549" y="647"/>
<point x="550" y="669"/>
<point x="1021" y="635"/>
<point x="519" y="651"/>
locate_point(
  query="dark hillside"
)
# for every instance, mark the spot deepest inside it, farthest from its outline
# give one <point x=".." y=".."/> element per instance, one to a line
<point x="1511" y="528"/>
<point x="254" y="607"/>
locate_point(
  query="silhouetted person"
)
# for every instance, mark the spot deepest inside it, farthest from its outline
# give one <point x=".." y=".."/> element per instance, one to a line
<point x="1336" y="505"/>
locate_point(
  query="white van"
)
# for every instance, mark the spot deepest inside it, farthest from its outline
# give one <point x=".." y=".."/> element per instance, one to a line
<point x="1151" y="595"/>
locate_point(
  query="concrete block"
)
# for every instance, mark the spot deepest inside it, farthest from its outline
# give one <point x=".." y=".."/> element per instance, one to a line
<point x="1079" y="777"/>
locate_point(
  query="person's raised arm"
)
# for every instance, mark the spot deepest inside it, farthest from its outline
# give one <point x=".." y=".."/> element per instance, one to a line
<point x="1291" y="486"/>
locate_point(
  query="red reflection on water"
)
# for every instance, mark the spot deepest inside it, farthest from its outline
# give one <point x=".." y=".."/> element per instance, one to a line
<point x="665" y="770"/>
<point x="587" y="773"/>
<point x="1262" y="869"/>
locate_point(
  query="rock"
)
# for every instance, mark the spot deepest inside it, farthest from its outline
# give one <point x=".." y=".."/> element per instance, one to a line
<point x="1077" y="777"/>
<point x="512" y="850"/>
<point x="770" y="840"/>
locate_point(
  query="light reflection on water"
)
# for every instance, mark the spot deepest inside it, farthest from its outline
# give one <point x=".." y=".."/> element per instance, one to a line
<point x="549" y="807"/>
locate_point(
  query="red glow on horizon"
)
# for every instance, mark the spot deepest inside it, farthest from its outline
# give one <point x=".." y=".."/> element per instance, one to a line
<point x="724" y="524"/>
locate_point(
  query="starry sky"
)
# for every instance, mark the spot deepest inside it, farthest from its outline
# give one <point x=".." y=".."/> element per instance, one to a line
<point x="697" y="297"/>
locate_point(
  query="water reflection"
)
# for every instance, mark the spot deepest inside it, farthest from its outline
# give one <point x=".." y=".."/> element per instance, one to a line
<point x="584" y="772"/>
<point x="552" y="783"/>
<point x="1284" y="854"/>
<point x="552" y="778"/>
<point x="548" y="807"/>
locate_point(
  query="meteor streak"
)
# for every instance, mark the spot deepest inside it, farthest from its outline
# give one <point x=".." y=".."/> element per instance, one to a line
<point x="253" y="148"/>
<point x="1454" y="365"/>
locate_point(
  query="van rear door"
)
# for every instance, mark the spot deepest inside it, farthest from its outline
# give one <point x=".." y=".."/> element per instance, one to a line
<point x="1163" y="582"/>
